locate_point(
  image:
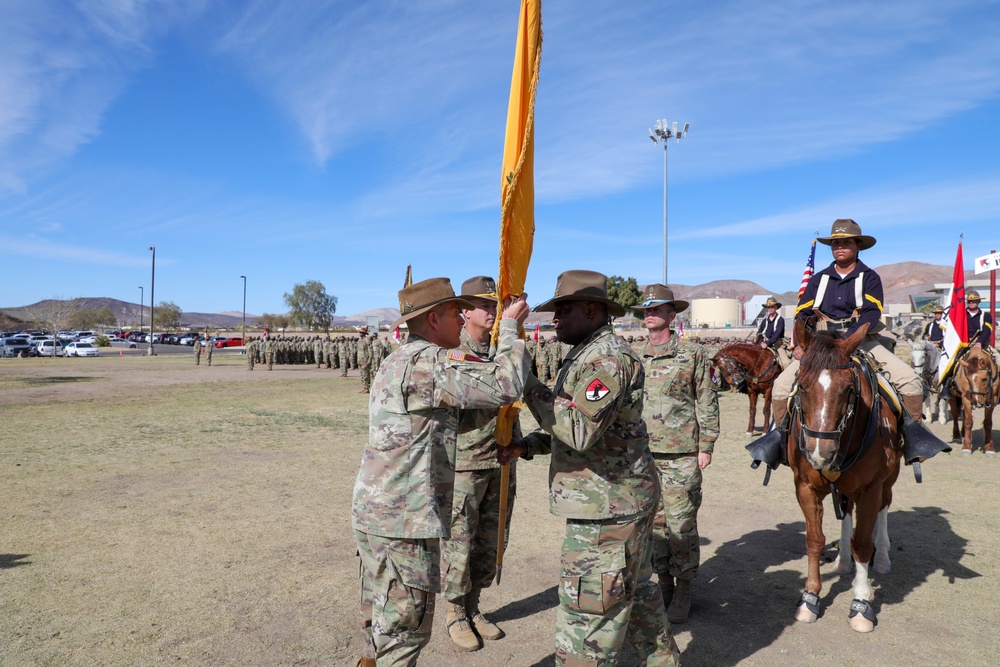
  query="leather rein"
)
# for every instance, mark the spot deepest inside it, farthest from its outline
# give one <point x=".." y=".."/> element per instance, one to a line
<point x="846" y="424"/>
<point x="738" y="373"/>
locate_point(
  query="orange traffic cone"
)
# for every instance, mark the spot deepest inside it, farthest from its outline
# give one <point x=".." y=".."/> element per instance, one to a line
<point x="121" y="353"/>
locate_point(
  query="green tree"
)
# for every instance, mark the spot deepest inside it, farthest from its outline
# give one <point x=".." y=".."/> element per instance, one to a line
<point x="624" y="291"/>
<point x="310" y="306"/>
<point x="92" y="318"/>
<point x="168" y="315"/>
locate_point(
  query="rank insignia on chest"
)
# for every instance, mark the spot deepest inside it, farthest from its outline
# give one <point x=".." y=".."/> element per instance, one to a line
<point x="597" y="390"/>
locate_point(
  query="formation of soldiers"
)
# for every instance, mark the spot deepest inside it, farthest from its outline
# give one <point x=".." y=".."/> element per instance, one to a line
<point x="363" y="352"/>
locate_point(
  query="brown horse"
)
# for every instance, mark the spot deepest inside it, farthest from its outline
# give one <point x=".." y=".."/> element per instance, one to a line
<point x="752" y="369"/>
<point x="977" y="385"/>
<point x="843" y="439"/>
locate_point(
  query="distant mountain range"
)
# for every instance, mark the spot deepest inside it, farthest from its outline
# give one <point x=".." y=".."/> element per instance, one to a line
<point x="900" y="281"/>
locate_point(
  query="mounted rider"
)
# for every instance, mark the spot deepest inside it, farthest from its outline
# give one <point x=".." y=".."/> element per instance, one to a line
<point x="934" y="331"/>
<point x="979" y="321"/>
<point x="843" y="297"/>
<point x="771" y="332"/>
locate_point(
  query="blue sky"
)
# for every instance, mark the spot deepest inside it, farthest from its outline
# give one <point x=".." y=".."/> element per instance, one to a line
<point x="340" y="141"/>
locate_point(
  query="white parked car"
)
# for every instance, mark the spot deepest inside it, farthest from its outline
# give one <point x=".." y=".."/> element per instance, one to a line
<point x="78" y="349"/>
<point x="47" y="349"/>
<point x="86" y="339"/>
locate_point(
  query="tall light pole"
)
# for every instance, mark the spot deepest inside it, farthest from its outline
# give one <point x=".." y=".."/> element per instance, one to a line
<point x="662" y="132"/>
<point x="140" y="308"/>
<point x="152" y="291"/>
<point x="244" y="309"/>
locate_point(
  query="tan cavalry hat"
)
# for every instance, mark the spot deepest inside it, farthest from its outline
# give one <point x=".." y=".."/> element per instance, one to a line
<point x="482" y="287"/>
<point x="972" y="295"/>
<point x="772" y="302"/>
<point x="420" y="297"/>
<point x="938" y="309"/>
<point x="581" y="286"/>
<point x="845" y="228"/>
<point x="657" y="294"/>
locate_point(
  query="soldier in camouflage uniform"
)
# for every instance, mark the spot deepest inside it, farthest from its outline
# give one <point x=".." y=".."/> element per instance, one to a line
<point x="682" y="415"/>
<point x="469" y="556"/>
<point x="269" y="352"/>
<point x="344" y="354"/>
<point x="251" y="347"/>
<point x="403" y="495"/>
<point x="602" y="479"/>
<point x="364" y="360"/>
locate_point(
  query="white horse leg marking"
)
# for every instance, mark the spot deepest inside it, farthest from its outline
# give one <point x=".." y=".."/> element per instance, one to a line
<point x="842" y="564"/>
<point x="882" y="563"/>
<point x="862" y="587"/>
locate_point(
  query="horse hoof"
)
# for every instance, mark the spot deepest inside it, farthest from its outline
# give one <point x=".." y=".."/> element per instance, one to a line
<point x="862" y="624"/>
<point x="803" y="615"/>
<point x="862" y="616"/>
<point x="967" y="452"/>
<point x="750" y="433"/>
<point x="842" y="565"/>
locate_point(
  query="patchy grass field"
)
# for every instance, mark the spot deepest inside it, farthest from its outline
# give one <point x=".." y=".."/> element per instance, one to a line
<point x="155" y="512"/>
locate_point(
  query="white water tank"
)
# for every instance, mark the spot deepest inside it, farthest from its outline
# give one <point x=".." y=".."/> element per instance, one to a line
<point x="715" y="313"/>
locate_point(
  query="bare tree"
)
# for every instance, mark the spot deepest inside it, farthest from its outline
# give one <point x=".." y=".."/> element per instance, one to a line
<point x="53" y="314"/>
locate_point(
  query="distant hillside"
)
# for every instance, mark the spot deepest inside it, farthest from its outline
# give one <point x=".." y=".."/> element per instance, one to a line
<point x="901" y="281"/>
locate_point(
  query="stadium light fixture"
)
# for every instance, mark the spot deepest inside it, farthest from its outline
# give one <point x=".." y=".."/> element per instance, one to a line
<point x="663" y="132"/>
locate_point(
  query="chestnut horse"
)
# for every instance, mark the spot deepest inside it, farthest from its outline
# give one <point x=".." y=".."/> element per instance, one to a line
<point x="977" y="385"/>
<point x="843" y="439"/>
<point x="752" y="369"/>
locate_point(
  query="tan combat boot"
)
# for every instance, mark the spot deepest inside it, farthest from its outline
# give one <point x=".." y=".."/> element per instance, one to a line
<point x="366" y="662"/>
<point x="459" y="628"/>
<point x="666" y="582"/>
<point x="680" y="606"/>
<point x="486" y="628"/>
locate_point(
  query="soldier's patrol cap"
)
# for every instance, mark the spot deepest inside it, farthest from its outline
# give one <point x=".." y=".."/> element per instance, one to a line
<point x="420" y="297"/>
<point x="972" y="295"/>
<point x="579" y="285"/>
<point x="657" y="294"/>
<point x="482" y="287"/>
<point x="845" y="228"/>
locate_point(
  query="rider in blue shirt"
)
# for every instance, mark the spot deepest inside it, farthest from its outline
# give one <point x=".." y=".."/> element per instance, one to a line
<point x="934" y="332"/>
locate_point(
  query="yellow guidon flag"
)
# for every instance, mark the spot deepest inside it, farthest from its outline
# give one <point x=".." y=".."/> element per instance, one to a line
<point x="517" y="204"/>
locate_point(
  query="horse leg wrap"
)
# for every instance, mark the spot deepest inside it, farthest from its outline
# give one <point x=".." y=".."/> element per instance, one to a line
<point x="863" y="607"/>
<point x="810" y="600"/>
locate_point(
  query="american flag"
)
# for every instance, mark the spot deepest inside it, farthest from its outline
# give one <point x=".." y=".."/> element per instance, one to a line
<point x="680" y="328"/>
<point x="810" y="267"/>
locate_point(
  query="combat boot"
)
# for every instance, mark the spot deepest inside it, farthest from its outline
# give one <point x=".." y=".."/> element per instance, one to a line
<point x="918" y="442"/>
<point x="770" y="447"/>
<point x="680" y="606"/>
<point x="666" y="582"/>
<point x="486" y="628"/>
<point x="366" y="662"/>
<point x="459" y="628"/>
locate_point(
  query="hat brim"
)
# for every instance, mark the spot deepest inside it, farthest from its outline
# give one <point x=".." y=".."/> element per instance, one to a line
<point x="679" y="305"/>
<point x="614" y="308"/>
<point x="488" y="297"/>
<point x="864" y="242"/>
<point x="462" y="303"/>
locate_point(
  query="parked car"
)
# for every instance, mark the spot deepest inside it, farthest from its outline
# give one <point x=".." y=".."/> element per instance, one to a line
<point x="86" y="339"/>
<point x="14" y="347"/>
<point x="48" y="348"/>
<point x="229" y="342"/>
<point x="137" y="337"/>
<point x="78" y="349"/>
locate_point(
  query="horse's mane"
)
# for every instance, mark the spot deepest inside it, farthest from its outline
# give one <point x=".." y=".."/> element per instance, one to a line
<point x="821" y="354"/>
<point x="981" y="358"/>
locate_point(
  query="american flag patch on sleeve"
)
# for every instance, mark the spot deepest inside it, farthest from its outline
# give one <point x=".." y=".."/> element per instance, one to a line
<point x="456" y="355"/>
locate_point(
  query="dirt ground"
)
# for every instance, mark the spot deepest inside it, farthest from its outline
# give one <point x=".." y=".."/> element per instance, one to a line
<point x="158" y="513"/>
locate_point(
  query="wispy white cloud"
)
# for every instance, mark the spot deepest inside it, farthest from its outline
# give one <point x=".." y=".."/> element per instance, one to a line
<point x="62" y="64"/>
<point x="47" y="250"/>
<point x="924" y="204"/>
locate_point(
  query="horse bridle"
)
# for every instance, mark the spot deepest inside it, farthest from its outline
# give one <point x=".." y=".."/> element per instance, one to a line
<point x="735" y="369"/>
<point x="991" y="377"/>
<point x="854" y="401"/>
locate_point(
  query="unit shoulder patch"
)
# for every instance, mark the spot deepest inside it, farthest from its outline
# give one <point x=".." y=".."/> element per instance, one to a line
<point x="595" y="392"/>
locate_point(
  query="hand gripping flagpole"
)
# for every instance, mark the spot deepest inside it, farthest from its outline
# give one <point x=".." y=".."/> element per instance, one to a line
<point x="517" y="212"/>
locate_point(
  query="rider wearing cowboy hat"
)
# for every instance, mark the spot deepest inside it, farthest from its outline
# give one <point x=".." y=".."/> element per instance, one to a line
<point x="980" y="322"/>
<point x="843" y="297"/>
<point x="934" y="331"/>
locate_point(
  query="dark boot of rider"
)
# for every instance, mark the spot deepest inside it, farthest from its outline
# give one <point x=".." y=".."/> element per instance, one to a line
<point x="768" y="448"/>
<point x="918" y="442"/>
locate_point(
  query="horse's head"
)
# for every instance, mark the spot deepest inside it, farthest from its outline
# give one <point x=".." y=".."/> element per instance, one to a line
<point x="981" y="373"/>
<point x="727" y="368"/>
<point x="829" y="390"/>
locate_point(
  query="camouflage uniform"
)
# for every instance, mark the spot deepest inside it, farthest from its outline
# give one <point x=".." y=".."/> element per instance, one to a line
<point x="208" y="355"/>
<point x="318" y="351"/>
<point x="269" y="352"/>
<point x="681" y="410"/>
<point x="197" y="352"/>
<point x="602" y="479"/>
<point x="364" y="363"/>
<point x="469" y="556"/>
<point x="403" y="495"/>
<point x="343" y="354"/>
<point x="251" y="350"/>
